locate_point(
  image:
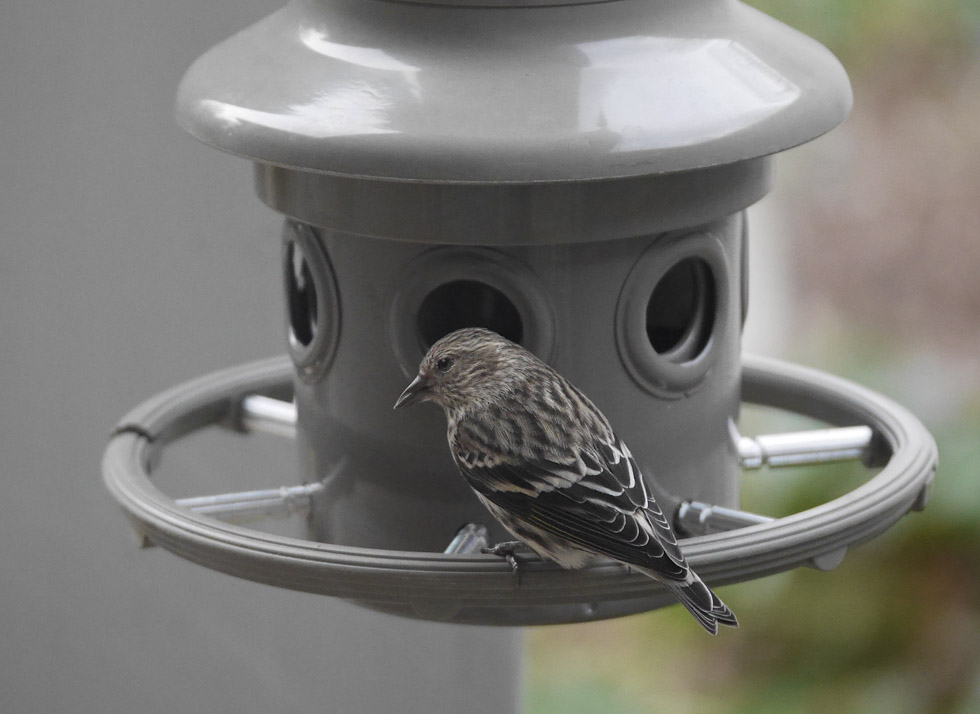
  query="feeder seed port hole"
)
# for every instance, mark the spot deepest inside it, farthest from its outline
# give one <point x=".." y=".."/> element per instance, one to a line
<point x="725" y="545"/>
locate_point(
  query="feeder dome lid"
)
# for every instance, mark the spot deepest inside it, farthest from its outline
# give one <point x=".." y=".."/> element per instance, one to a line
<point x="512" y="91"/>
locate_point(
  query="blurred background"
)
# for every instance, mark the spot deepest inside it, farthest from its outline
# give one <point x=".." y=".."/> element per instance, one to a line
<point x="132" y="258"/>
<point x="865" y="262"/>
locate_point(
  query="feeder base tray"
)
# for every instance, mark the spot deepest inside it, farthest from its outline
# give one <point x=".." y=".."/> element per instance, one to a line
<point x="481" y="589"/>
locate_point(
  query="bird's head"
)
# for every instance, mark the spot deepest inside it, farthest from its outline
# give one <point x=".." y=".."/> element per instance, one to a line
<point x="462" y="369"/>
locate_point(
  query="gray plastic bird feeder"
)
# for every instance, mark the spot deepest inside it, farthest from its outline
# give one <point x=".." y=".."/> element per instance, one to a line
<point x="572" y="175"/>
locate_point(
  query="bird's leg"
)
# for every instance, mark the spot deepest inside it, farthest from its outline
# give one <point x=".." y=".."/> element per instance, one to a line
<point x="507" y="550"/>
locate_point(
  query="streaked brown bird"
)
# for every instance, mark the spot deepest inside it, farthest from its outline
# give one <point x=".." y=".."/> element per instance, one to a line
<point x="546" y="463"/>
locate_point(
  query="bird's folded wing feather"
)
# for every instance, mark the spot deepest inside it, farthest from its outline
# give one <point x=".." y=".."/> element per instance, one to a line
<point x="598" y="503"/>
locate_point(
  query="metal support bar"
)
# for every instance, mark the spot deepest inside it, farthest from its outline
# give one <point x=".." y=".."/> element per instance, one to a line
<point x="253" y="505"/>
<point x="697" y="518"/>
<point x="470" y="539"/>
<point x="274" y="416"/>
<point x="801" y="448"/>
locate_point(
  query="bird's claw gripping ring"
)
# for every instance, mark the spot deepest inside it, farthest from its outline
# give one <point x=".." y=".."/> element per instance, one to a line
<point x="508" y="551"/>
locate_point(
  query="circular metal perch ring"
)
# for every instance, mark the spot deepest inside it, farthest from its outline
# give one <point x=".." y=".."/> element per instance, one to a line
<point x="481" y="589"/>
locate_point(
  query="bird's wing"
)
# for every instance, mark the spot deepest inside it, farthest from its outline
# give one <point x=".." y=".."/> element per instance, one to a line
<point x="598" y="502"/>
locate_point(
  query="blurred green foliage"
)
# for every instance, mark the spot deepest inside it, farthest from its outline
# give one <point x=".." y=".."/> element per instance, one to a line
<point x="870" y="31"/>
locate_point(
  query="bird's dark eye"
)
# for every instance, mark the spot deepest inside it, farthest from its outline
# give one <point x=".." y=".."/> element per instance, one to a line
<point x="445" y="364"/>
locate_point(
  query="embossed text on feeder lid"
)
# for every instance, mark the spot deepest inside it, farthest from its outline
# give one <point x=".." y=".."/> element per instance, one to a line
<point x="448" y="93"/>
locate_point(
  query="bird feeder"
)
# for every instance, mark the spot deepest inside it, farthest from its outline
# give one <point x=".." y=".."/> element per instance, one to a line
<point x="573" y="175"/>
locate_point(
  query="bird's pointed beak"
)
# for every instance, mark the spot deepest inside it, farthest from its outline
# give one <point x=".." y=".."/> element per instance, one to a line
<point x="417" y="391"/>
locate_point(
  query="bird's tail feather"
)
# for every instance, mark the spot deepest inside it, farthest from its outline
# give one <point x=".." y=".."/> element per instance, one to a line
<point x="707" y="608"/>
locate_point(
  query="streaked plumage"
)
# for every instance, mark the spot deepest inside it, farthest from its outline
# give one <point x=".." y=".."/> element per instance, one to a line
<point x="546" y="463"/>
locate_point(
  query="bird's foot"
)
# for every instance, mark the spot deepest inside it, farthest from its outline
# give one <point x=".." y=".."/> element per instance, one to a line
<point x="507" y="547"/>
<point x="508" y="550"/>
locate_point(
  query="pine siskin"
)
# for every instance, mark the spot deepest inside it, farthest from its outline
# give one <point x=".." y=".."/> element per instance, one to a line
<point x="546" y="463"/>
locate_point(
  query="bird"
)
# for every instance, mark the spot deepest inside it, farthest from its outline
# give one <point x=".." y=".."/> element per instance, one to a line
<point x="547" y="464"/>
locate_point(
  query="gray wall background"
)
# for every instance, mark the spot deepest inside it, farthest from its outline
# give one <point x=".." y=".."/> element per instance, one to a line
<point x="132" y="258"/>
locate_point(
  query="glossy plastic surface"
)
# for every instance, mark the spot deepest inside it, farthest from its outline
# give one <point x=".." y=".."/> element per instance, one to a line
<point x="463" y="92"/>
<point x="389" y="479"/>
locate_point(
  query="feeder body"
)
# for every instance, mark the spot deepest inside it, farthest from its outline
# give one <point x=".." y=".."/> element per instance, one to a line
<point x="573" y="175"/>
<point x="389" y="479"/>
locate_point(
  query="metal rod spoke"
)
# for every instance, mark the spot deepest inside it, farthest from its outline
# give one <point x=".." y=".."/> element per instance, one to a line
<point x="469" y="539"/>
<point x="274" y="416"/>
<point x="800" y="448"/>
<point x="697" y="518"/>
<point x="253" y="505"/>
